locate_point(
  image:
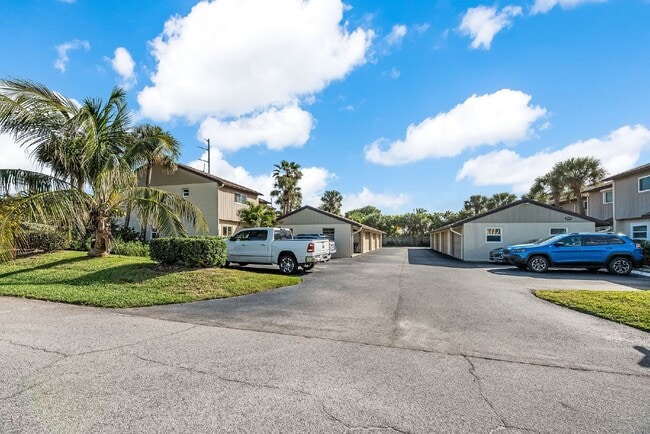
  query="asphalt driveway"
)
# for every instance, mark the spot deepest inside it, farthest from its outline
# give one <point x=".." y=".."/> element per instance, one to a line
<point x="397" y="340"/>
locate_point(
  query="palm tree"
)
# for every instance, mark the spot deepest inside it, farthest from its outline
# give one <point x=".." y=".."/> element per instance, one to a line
<point x="285" y="187"/>
<point x="577" y="173"/>
<point x="331" y="201"/>
<point x="151" y="146"/>
<point x="476" y="204"/>
<point x="259" y="215"/>
<point x="548" y="187"/>
<point x="91" y="181"/>
<point x="500" y="199"/>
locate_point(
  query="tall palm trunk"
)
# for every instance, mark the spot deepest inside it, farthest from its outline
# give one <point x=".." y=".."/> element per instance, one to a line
<point x="102" y="245"/>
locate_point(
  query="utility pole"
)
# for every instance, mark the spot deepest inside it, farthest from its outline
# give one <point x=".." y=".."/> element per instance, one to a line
<point x="206" y="149"/>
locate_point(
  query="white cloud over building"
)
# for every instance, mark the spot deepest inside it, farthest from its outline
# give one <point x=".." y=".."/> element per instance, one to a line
<point x="618" y="151"/>
<point x="505" y="116"/>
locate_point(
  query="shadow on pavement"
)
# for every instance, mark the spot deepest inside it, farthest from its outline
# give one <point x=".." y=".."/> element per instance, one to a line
<point x="424" y="256"/>
<point x="645" y="361"/>
<point x="636" y="282"/>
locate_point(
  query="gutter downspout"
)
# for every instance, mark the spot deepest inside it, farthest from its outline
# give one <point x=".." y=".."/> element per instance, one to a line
<point x="219" y="185"/>
<point x="462" y="245"/>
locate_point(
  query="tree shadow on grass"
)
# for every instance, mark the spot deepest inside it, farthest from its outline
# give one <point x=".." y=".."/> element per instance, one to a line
<point x="121" y="274"/>
<point x="47" y="266"/>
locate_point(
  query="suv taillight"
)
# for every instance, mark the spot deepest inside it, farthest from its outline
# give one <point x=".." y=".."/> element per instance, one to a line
<point x="310" y="247"/>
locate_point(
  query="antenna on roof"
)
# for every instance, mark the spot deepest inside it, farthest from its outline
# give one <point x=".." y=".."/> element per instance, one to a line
<point x="208" y="160"/>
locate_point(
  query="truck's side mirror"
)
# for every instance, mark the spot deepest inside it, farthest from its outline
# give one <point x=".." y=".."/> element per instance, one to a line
<point x="233" y="238"/>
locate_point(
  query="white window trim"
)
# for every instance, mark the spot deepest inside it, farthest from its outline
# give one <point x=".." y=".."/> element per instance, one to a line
<point x="638" y="184"/>
<point x="605" y="195"/>
<point x="241" y="195"/>
<point x="500" y="235"/>
<point x="566" y="231"/>
<point x="185" y="190"/>
<point x="647" y="230"/>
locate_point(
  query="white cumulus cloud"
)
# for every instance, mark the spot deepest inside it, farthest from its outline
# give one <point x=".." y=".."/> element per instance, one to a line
<point x="14" y="156"/>
<point x="482" y="23"/>
<point x="233" y="57"/>
<point x="543" y="6"/>
<point x="275" y="128"/>
<point x="62" y="52"/>
<point x="383" y="201"/>
<point x="397" y="34"/>
<point x="123" y="64"/>
<point x="505" y="116"/>
<point x="618" y="151"/>
<point x="313" y="184"/>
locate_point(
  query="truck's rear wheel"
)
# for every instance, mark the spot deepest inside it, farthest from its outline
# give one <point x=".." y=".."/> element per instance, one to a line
<point x="287" y="264"/>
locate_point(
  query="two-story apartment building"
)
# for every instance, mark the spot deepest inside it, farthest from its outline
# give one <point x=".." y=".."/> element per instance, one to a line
<point x="630" y="196"/>
<point x="219" y="199"/>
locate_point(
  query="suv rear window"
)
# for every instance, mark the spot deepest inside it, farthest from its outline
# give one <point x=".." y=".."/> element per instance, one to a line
<point x="613" y="239"/>
<point x="594" y="240"/>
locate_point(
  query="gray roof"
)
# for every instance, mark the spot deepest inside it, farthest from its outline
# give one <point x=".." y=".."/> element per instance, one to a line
<point x="332" y="215"/>
<point x="633" y="171"/>
<point x="217" y="179"/>
<point x="515" y="203"/>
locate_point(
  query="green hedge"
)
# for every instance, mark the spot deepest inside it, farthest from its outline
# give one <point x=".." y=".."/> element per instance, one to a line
<point x="201" y="252"/>
<point x="130" y="248"/>
<point x="45" y="239"/>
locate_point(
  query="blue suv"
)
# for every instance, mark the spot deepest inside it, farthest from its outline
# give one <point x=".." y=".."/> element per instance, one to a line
<point x="592" y="251"/>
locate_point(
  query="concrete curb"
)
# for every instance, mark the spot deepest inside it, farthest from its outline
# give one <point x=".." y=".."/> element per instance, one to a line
<point x="644" y="273"/>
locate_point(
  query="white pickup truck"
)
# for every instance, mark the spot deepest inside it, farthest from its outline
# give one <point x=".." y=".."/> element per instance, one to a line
<point x="275" y="246"/>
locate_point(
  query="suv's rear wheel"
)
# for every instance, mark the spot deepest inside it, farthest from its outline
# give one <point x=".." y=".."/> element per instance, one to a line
<point x="619" y="265"/>
<point x="538" y="264"/>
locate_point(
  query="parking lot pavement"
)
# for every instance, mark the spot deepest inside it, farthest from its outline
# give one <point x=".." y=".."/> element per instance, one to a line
<point x="397" y="340"/>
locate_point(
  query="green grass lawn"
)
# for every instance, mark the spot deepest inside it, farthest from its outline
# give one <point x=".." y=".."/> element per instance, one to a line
<point x="626" y="307"/>
<point x="126" y="281"/>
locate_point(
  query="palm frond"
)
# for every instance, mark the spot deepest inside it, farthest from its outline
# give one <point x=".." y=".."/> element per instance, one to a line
<point x="18" y="180"/>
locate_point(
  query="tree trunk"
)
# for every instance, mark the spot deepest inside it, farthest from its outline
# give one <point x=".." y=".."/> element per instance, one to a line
<point x="578" y="194"/>
<point x="102" y="245"/>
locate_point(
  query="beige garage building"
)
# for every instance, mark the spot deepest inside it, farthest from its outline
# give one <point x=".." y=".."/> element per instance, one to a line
<point x="472" y="239"/>
<point x="350" y="237"/>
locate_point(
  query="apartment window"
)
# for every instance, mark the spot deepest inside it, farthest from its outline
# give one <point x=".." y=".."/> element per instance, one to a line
<point x="492" y="235"/>
<point x="186" y="192"/>
<point x="558" y="231"/>
<point x="584" y="206"/>
<point x="640" y="232"/>
<point x="608" y="196"/>
<point x="329" y="233"/>
<point x="241" y="198"/>
<point x="644" y="184"/>
<point x="226" y="231"/>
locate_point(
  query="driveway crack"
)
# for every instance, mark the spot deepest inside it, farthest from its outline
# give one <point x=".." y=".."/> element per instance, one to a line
<point x="350" y="428"/>
<point x="223" y="378"/>
<point x="503" y="424"/>
<point x="398" y="305"/>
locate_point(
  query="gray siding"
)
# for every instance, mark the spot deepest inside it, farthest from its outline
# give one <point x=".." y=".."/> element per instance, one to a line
<point x="527" y="213"/>
<point x="477" y="247"/>
<point x="628" y="201"/>
<point x="597" y="209"/>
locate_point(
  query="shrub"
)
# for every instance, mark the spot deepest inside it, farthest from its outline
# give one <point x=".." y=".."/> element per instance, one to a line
<point x="124" y="233"/>
<point x="45" y="239"/>
<point x="189" y="252"/>
<point x="129" y="248"/>
<point x="645" y="245"/>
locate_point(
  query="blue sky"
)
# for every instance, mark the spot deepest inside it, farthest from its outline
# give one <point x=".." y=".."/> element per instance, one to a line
<point x="400" y="105"/>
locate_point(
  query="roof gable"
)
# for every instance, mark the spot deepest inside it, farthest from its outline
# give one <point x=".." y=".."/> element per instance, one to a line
<point x="500" y="209"/>
<point x="330" y="216"/>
